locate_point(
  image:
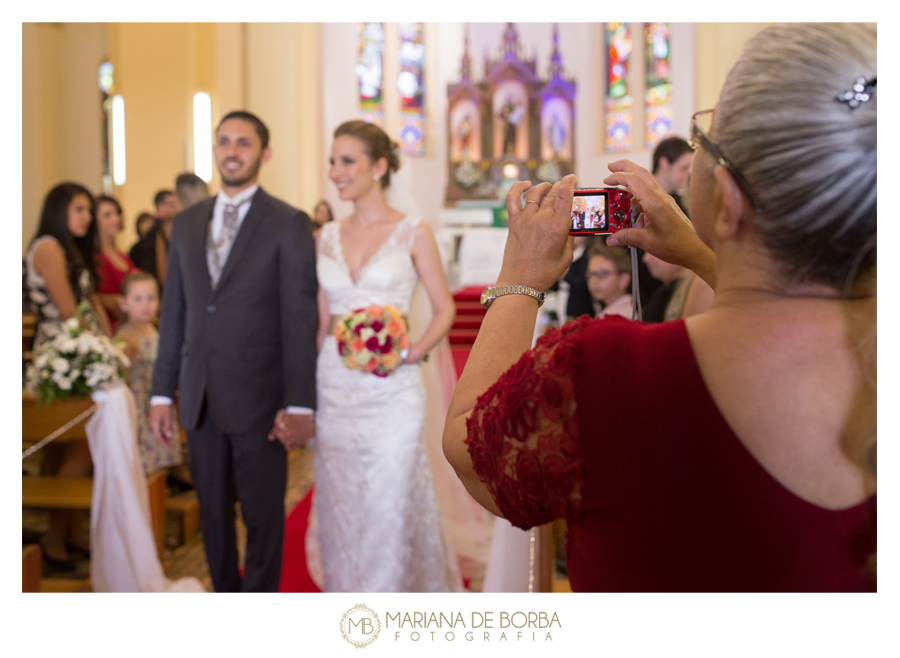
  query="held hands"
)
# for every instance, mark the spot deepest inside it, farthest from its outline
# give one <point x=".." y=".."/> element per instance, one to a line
<point x="660" y="228"/>
<point x="539" y="248"/>
<point x="293" y="430"/>
<point x="161" y="423"/>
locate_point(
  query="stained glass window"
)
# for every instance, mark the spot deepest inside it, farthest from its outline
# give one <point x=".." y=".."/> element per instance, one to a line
<point x="369" y="72"/>
<point x="619" y="111"/>
<point x="411" y="85"/>
<point x="657" y="96"/>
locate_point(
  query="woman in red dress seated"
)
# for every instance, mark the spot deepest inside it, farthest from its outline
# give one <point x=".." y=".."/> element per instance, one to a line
<point x="734" y="450"/>
<point x="112" y="264"/>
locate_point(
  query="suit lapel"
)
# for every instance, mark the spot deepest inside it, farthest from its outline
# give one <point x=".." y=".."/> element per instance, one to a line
<point x="249" y="226"/>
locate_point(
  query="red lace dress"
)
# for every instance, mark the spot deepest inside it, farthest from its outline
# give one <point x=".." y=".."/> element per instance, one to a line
<point x="608" y="424"/>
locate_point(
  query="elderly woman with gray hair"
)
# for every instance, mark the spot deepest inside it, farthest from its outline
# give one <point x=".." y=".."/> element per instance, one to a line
<point x="753" y="468"/>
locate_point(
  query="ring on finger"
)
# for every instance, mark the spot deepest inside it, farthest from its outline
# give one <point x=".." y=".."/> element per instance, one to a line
<point x="534" y="202"/>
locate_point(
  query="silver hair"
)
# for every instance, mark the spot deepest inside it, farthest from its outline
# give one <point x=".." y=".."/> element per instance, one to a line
<point x="810" y="159"/>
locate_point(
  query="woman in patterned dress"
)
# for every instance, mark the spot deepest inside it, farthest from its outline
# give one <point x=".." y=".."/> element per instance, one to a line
<point x="59" y="276"/>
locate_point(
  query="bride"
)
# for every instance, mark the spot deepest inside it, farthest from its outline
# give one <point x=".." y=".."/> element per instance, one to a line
<point x="378" y="522"/>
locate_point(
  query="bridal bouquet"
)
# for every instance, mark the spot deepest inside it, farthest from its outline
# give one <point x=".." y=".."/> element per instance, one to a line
<point x="372" y="339"/>
<point x="75" y="363"/>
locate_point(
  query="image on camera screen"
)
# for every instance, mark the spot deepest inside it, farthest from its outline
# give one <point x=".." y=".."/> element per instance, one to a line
<point x="590" y="213"/>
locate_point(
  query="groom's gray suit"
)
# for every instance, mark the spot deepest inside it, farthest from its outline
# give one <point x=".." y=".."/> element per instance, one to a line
<point x="237" y="354"/>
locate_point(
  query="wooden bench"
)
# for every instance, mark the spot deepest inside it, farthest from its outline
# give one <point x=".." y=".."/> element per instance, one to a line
<point x="187" y="508"/>
<point x="75" y="493"/>
<point x="40" y="421"/>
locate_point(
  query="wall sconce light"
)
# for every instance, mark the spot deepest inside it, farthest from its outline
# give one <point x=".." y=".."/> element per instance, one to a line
<point x="203" y="136"/>
<point x="118" y="139"/>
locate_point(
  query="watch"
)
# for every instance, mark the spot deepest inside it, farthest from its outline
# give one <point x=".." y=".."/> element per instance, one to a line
<point x="490" y="294"/>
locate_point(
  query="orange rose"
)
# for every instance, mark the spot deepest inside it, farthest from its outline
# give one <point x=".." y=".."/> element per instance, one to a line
<point x="404" y="341"/>
<point x="357" y="344"/>
<point x="396" y="328"/>
<point x="372" y="364"/>
<point x="394" y="313"/>
<point x="390" y="360"/>
<point x="338" y="331"/>
<point x="374" y="311"/>
<point x="351" y="362"/>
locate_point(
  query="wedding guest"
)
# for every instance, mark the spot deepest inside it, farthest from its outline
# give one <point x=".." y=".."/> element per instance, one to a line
<point x="322" y="214"/>
<point x="112" y="265"/>
<point x="672" y="159"/>
<point x="59" y="276"/>
<point x="682" y="294"/>
<point x="139" y="301"/>
<point x="143" y="223"/>
<point x="754" y="467"/>
<point x="151" y="251"/>
<point x="609" y="277"/>
<point x="574" y="282"/>
<point x="190" y="189"/>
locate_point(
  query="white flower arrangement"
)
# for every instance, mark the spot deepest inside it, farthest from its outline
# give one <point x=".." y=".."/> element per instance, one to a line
<point x="75" y="363"/>
<point x="549" y="172"/>
<point x="467" y="174"/>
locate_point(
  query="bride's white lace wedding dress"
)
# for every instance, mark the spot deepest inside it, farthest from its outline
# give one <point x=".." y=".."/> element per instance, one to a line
<point x="378" y="523"/>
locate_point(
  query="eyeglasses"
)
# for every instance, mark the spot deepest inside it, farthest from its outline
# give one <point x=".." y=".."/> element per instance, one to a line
<point x="700" y="138"/>
<point x="599" y="274"/>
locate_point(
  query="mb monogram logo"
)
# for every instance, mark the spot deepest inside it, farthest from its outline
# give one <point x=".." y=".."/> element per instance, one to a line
<point x="360" y="626"/>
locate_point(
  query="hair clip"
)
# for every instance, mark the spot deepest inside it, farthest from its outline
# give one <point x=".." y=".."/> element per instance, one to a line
<point x="861" y="92"/>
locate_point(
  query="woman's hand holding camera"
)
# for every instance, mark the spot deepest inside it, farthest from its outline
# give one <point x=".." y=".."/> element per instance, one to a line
<point x="538" y="248"/>
<point x="660" y="228"/>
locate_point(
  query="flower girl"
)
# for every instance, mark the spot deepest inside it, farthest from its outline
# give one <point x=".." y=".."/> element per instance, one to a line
<point x="139" y="301"/>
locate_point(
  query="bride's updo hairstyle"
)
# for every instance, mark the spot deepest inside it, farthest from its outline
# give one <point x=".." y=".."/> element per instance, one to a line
<point x="376" y="143"/>
<point x="810" y="159"/>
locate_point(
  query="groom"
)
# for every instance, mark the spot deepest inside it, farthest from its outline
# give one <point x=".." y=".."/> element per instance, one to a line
<point x="237" y="338"/>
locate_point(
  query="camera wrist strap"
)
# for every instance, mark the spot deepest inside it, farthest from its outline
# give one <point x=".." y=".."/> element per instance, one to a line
<point x="636" y="313"/>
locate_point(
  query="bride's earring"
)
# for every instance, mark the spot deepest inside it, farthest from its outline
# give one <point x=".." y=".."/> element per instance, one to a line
<point x="376" y="178"/>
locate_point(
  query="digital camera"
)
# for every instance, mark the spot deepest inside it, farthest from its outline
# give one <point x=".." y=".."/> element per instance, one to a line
<point x="600" y="210"/>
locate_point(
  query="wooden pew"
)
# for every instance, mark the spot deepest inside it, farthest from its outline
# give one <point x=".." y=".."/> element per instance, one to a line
<point x="75" y="493"/>
<point x="31" y="568"/>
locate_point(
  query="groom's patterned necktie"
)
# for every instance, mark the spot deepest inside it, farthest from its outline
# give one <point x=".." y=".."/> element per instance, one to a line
<point x="219" y="249"/>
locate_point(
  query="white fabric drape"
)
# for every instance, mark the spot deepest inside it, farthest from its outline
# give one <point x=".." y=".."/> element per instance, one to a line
<point x="123" y="551"/>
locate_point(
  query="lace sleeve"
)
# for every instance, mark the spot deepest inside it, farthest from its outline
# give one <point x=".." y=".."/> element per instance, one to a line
<point x="523" y="434"/>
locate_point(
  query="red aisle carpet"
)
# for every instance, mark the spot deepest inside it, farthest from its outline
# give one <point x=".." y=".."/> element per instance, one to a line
<point x="294" y="575"/>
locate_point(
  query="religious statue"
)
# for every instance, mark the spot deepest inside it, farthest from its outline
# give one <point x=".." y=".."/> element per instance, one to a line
<point x="511" y="114"/>
<point x="556" y="131"/>
<point x="463" y="135"/>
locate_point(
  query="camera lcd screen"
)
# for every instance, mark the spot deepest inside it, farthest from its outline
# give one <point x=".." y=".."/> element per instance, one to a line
<point x="590" y="213"/>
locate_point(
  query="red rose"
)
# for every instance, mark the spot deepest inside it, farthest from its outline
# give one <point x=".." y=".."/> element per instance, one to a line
<point x="388" y="345"/>
<point x="519" y="420"/>
<point x="552" y="399"/>
<point x="491" y="430"/>
<point x="565" y="356"/>
<point x="372" y="344"/>
<point x="528" y="473"/>
<point x="483" y="460"/>
<point x="507" y="498"/>
<point x="377" y="326"/>
<point x="556" y="478"/>
<point x="358" y="328"/>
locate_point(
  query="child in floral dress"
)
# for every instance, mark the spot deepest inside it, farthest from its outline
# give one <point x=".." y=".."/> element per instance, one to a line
<point x="139" y="300"/>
